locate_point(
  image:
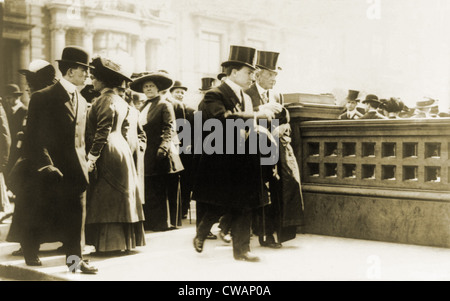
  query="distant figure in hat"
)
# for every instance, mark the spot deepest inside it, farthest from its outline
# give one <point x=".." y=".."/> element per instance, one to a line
<point x="39" y="75"/>
<point x="352" y="110"/>
<point x="5" y="145"/>
<point x="184" y="118"/>
<point x="372" y="103"/>
<point x="16" y="112"/>
<point x="55" y="148"/>
<point x="207" y="84"/>
<point x="162" y="206"/>
<point x="423" y="108"/>
<point x="393" y="107"/>
<point x="285" y="212"/>
<point x="114" y="213"/>
<point x="224" y="183"/>
<point x="222" y="76"/>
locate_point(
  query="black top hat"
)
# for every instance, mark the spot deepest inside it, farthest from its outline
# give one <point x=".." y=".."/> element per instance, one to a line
<point x="12" y="90"/>
<point x="160" y="79"/>
<point x="75" y="54"/>
<point x="268" y="60"/>
<point x="242" y="56"/>
<point x="371" y="98"/>
<point x="109" y="69"/>
<point x="353" y="95"/>
<point x="177" y="85"/>
<point x="207" y="83"/>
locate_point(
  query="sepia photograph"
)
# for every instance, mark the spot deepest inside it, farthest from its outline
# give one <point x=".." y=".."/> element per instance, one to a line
<point x="224" y="147"/>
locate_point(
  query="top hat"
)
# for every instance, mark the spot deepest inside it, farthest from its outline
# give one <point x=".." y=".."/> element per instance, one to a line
<point x="12" y="90"/>
<point x="207" y="83"/>
<point x="160" y="79"/>
<point x="76" y="55"/>
<point x="241" y="55"/>
<point x="109" y="69"/>
<point x="353" y="95"/>
<point x="177" y="85"/>
<point x="268" y="60"/>
<point x="371" y="98"/>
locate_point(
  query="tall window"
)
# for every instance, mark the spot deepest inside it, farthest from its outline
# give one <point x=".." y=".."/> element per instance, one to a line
<point x="209" y="52"/>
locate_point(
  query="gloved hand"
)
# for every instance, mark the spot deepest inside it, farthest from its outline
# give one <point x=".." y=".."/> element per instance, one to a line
<point x="161" y="153"/>
<point x="91" y="165"/>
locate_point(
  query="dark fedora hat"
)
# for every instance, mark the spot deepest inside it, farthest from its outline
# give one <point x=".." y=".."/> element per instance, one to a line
<point x="353" y="95"/>
<point x="105" y="67"/>
<point x="241" y="55"/>
<point x="268" y="60"/>
<point x="178" y="85"/>
<point x="12" y="90"/>
<point x="207" y="83"/>
<point x="160" y="79"/>
<point x="39" y="71"/>
<point x="372" y="98"/>
<point x="76" y="55"/>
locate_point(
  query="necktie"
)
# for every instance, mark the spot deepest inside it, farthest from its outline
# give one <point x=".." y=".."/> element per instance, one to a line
<point x="72" y="100"/>
<point x="265" y="96"/>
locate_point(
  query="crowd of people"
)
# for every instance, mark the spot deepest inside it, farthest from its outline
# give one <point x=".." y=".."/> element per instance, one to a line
<point x="93" y="165"/>
<point x="371" y="107"/>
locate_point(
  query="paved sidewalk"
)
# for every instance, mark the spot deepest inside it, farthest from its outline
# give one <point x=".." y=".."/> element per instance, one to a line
<point x="170" y="256"/>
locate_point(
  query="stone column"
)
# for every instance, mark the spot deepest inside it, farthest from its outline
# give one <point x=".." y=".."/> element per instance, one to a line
<point x="58" y="42"/>
<point x="24" y="62"/>
<point x="88" y="41"/>
<point x="140" y="62"/>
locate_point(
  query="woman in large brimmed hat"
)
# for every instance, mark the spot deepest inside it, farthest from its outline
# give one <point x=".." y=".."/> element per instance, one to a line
<point x="114" y="213"/>
<point x="161" y="159"/>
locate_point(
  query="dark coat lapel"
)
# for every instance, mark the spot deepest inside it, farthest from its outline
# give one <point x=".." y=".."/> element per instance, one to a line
<point x="62" y="95"/>
<point x="230" y="95"/>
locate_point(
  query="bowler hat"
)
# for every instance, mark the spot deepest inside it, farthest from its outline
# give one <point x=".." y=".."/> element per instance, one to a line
<point x="160" y="79"/>
<point x="178" y="85"/>
<point x="371" y="98"/>
<point x="39" y="72"/>
<point x="353" y="95"/>
<point x="241" y="55"/>
<point x="76" y="55"/>
<point x="12" y="90"/>
<point x="109" y="69"/>
<point x="267" y="60"/>
<point x="207" y="83"/>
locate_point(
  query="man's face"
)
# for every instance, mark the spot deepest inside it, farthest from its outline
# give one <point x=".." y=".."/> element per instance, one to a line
<point x="178" y="94"/>
<point x="78" y="76"/>
<point x="243" y="77"/>
<point x="351" y="105"/>
<point x="267" y="79"/>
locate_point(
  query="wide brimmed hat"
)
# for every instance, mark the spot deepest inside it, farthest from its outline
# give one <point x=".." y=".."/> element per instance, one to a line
<point x="426" y="103"/>
<point x="109" y="69"/>
<point x="207" y="83"/>
<point x="39" y="71"/>
<point x="12" y="90"/>
<point x="178" y="85"/>
<point x="241" y="55"/>
<point x="372" y="98"/>
<point x="353" y="95"/>
<point x="160" y="79"/>
<point x="268" y="60"/>
<point x="76" y="55"/>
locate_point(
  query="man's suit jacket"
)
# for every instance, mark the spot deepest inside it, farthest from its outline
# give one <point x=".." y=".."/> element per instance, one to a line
<point x="253" y="92"/>
<point x="230" y="180"/>
<point x="55" y="134"/>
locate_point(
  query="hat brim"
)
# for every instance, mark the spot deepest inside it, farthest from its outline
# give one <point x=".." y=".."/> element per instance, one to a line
<point x="266" y="68"/>
<point x="162" y="82"/>
<point x="173" y="88"/>
<point x="228" y="63"/>
<point x="78" y="63"/>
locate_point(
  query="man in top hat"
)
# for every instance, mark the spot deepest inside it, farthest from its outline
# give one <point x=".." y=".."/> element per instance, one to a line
<point x="55" y="147"/>
<point x="230" y="183"/>
<point x="16" y="113"/>
<point x="372" y="103"/>
<point x="285" y="211"/>
<point x="207" y="84"/>
<point x="352" y="110"/>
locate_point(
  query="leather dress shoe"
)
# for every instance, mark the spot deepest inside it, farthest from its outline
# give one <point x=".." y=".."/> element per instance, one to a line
<point x="86" y="268"/>
<point x="247" y="257"/>
<point x="211" y="236"/>
<point x="225" y="237"/>
<point x="33" y="261"/>
<point x="198" y="244"/>
<point x="269" y="242"/>
<point x="17" y="252"/>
